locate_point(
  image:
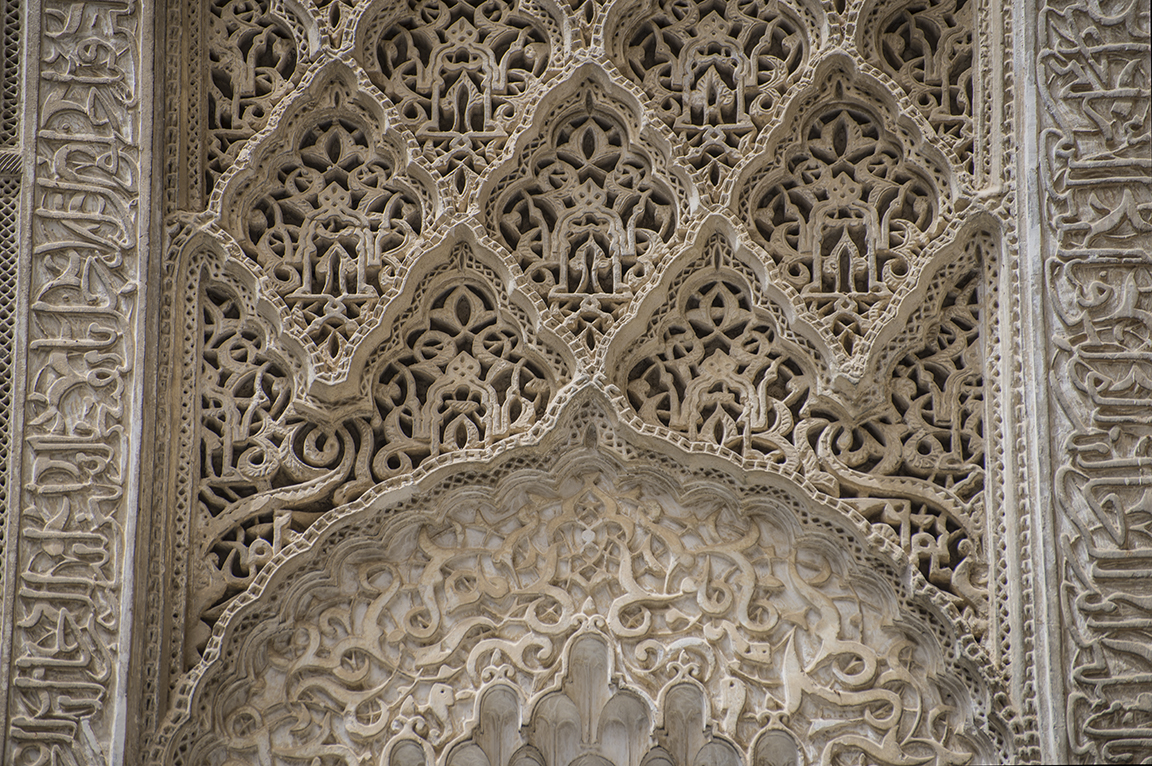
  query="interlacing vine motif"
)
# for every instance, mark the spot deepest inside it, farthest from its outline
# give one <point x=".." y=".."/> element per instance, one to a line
<point x="845" y="220"/>
<point x="601" y="595"/>
<point x="586" y="217"/>
<point x="328" y="227"/>
<point x="432" y="234"/>
<point x="459" y="376"/>
<point x="458" y="71"/>
<point x="253" y="63"/>
<point x="715" y="71"/>
<point x="715" y="370"/>
<point x="926" y="47"/>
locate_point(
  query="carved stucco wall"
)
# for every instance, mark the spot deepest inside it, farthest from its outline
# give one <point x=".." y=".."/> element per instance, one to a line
<point x="680" y="381"/>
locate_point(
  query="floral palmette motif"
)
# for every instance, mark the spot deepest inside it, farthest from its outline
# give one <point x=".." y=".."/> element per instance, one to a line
<point x="926" y="47"/>
<point x="614" y="594"/>
<point x="846" y="222"/>
<point x="717" y="374"/>
<point x="329" y="228"/>
<point x="253" y="64"/>
<point x="463" y="380"/>
<point x="715" y="71"/>
<point x="460" y="377"/>
<point x="585" y="220"/>
<point x="714" y="371"/>
<point x="455" y="70"/>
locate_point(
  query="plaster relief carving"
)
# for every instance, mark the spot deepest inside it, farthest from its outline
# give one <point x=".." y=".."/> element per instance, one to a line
<point x="253" y="64"/>
<point x="80" y="441"/>
<point x="926" y="47"/>
<point x="716" y="370"/>
<point x="846" y="215"/>
<point x="716" y="72"/>
<point x="395" y="529"/>
<point x="326" y="213"/>
<point x="1094" y="75"/>
<point x="459" y="73"/>
<point x="599" y="611"/>
<point x="458" y="376"/>
<point x="586" y="213"/>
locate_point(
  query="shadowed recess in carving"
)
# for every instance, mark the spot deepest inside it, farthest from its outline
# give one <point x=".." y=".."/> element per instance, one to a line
<point x="585" y="216"/>
<point x="458" y="375"/>
<point x="458" y="71"/>
<point x="926" y="47"/>
<point x="595" y="613"/>
<point x="328" y="226"/>
<point x="253" y="64"/>
<point x="714" y="370"/>
<point x="845" y="220"/>
<point x="715" y="71"/>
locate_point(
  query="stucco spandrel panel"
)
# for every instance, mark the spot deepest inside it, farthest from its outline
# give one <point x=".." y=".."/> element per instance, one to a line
<point x="753" y="230"/>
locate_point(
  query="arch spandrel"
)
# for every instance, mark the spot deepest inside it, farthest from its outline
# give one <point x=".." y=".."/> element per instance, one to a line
<point x="421" y="299"/>
<point x="595" y="599"/>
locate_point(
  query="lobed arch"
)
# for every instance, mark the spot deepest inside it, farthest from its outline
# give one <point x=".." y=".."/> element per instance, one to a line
<point x="592" y="473"/>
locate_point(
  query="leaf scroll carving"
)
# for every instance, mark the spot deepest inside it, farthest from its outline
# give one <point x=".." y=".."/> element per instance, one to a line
<point x="715" y="72"/>
<point x="845" y="220"/>
<point x="909" y="455"/>
<point x="327" y="214"/>
<point x="585" y="214"/>
<point x="458" y="72"/>
<point x="926" y="47"/>
<point x="557" y="619"/>
<point x="460" y="376"/>
<point x="253" y="65"/>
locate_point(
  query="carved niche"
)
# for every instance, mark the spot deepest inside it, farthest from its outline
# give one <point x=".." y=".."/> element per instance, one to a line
<point x="460" y="374"/>
<point x="594" y="604"/>
<point x="432" y="235"/>
<point x="849" y="211"/>
<point x="461" y="74"/>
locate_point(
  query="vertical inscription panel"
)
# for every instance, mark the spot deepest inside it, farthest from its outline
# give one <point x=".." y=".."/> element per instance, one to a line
<point x="80" y="422"/>
<point x="1096" y="203"/>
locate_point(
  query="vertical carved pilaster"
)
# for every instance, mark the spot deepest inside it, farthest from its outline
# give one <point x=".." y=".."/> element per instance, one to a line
<point x="82" y="403"/>
<point x="1096" y="206"/>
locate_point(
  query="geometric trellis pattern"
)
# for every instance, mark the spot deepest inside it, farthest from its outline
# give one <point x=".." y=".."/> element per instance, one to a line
<point x="417" y="232"/>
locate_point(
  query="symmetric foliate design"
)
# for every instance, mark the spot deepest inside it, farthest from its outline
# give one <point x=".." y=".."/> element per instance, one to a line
<point x="458" y="375"/>
<point x="458" y="72"/>
<point x="436" y="231"/>
<point x="325" y="215"/>
<point x="715" y="370"/>
<point x="715" y="71"/>
<point x="590" y="613"/>
<point x="845" y="217"/>
<point x="586" y="215"/>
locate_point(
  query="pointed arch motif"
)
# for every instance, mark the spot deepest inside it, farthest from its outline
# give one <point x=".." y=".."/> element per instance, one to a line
<point x="848" y="211"/>
<point x="715" y="72"/>
<point x="586" y="211"/>
<point x="432" y="231"/>
<point x="461" y="74"/>
<point x="906" y="447"/>
<point x="595" y="602"/>
<point x="325" y="210"/>
<point x="460" y="376"/>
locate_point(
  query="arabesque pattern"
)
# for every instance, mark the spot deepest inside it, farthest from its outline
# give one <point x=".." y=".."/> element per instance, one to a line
<point x="428" y="232"/>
